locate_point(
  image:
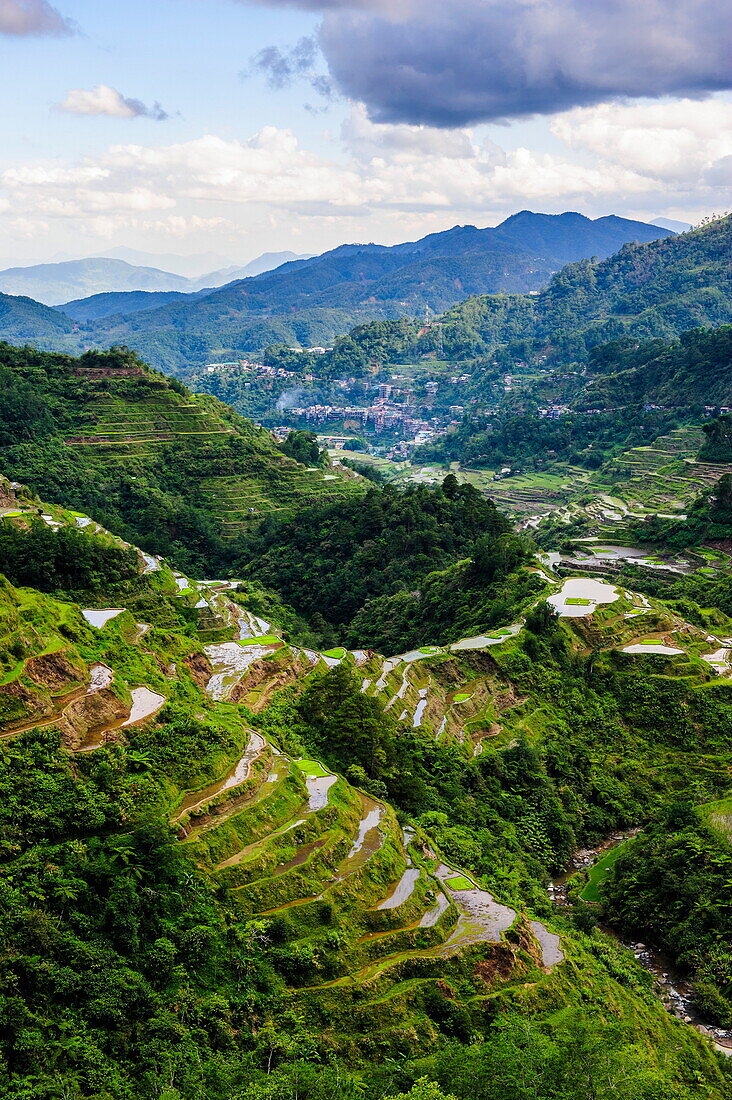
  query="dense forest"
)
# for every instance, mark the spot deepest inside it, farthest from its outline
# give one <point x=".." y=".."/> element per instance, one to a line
<point x="389" y="569"/>
<point x="672" y="885"/>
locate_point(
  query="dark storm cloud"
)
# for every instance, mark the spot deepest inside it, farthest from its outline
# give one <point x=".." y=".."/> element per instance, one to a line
<point x="32" y="17"/>
<point x="453" y="62"/>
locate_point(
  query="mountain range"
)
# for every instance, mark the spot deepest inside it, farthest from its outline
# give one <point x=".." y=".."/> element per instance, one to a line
<point x="310" y="301"/>
<point x="54" y="284"/>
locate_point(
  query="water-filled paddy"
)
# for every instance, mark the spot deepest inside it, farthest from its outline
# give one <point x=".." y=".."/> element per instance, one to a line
<point x="145" y="703"/>
<point x="585" y="589"/>
<point x="653" y="647"/>
<point x="100" y="618"/>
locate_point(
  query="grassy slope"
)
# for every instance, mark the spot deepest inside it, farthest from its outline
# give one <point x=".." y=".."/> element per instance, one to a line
<point x="107" y="421"/>
<point x="390" y="1007"/>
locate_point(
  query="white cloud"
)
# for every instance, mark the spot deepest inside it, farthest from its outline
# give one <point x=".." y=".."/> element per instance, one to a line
<point x="105" y="100"/>
<point x="366" y="139"/>
<point x="379" y="181"/>
<point x="677" y="140"/>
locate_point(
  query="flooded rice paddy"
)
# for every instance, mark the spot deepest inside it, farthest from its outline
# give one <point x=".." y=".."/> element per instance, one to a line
<point x="145" y="703"/>
<point x="100" y="617"/>
<point x="100" y="677"/>
<point x="580" y="596"/>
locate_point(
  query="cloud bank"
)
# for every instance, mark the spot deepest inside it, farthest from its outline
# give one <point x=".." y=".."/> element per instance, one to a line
<point x="104" y="100"/>
<point x="398" y="181"/>
<point x="32" y="17"/>
<point x="451" y="64"/>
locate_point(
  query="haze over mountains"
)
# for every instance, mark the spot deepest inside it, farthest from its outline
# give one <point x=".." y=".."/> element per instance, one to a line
<point x="56" y="283"/>
<point x="310" y="301"/>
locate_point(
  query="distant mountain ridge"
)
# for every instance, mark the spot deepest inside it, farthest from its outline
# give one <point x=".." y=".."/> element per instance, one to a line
<point x="310" y="301"/>
<point x="656" y="290"/>
<point x="53" y="284"/>
<point x="69" y="281"/>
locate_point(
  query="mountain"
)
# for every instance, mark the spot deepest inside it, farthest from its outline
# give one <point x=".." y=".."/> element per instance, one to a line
<point x="203" y="266"/>
<point x="669" y="223"/>
<point x="24" y="320"/>
<point x="645" y="291"/>
<point x="138" y="298"/>
<point x="190" y="267"/>
<point x="180" y="473"/>
<point x="97" y="306"/>
<point x="659" y="289"/>
<point x="310" y="301"/>
<point x="54" y="284"/>
<point x="268" y="261"/>
<point x="66" y="284"/>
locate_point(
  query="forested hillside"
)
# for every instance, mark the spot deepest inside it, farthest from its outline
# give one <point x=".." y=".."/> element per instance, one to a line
<point x="629" y="394"/>
<point x="23" y="320"/>
<point x="232" y="867"/>
<point x="647" y="291"/>
<point x="176" y="473"/>
<point x="390" y="569"/>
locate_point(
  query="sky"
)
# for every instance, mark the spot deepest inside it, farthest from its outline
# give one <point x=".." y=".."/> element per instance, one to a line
<point x="235" y="127"/>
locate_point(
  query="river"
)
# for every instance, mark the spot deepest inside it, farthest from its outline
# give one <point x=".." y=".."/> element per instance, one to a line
<point x="673" y="989"/>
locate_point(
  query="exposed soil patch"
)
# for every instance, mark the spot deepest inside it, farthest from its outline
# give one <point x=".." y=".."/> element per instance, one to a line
<point x="53" y="671"/>
<point x="200" y="668"/>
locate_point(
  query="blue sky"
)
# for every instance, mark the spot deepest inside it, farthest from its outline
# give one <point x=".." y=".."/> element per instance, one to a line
<point x="435" y="117"/>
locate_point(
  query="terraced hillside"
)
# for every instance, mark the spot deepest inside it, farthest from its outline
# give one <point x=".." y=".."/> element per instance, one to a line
<point x="105" y="432"/>
<point x="664" y="476"/>
<point x="379" y="940"/>
<point x="663" y="479"/>
<point x="285" y="836"/>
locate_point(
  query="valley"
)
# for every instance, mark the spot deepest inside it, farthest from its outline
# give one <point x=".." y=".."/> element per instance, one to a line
<point x="366" y="550"/>
<point x="369" y="911"/>
<point x="314" y="749"/>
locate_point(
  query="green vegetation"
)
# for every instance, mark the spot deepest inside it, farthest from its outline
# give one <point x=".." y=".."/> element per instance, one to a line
<point x="671" y="884"/>
<point x="176" y="474"/>
<point x="599" y="873"/>
<point x="312" y="768"/>
<point x="718" y="446"/>
<point x="459" y="882"/>
<point x="160" y="924"/>
<point x="303" y="447"/>
<point x="353" y="569"/>
<point x="232" y="895"/>
<point x="63" y="560"/>
<point x="651" y="292"/>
